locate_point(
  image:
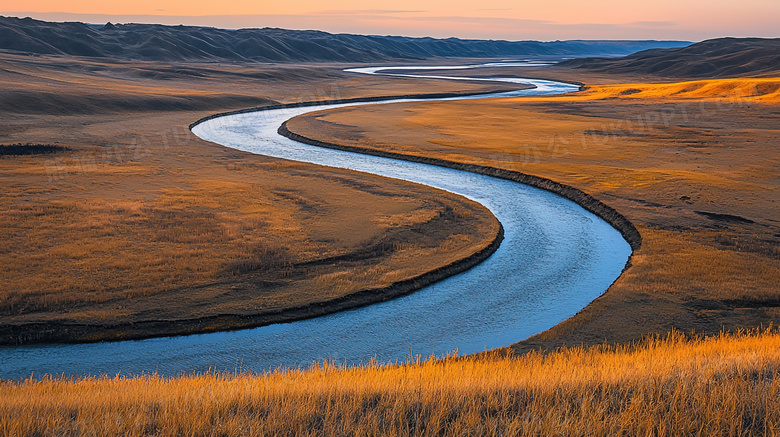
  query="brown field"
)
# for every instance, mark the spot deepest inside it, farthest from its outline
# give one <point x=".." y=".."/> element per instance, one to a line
<point x="140" y="221"/>
<point x="53" y="85"/>
<point x="670" y="386"/>
<point x="693" y="165"/>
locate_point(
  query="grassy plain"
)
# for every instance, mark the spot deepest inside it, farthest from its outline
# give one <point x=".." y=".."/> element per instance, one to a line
<point x="139" y="221"/>
<point x="668" y="386"/>
<point x="693" y="165"/>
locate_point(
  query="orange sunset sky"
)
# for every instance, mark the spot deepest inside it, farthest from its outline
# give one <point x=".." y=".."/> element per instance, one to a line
<point x="488" y="19"/>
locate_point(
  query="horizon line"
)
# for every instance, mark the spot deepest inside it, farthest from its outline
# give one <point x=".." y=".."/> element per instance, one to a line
<point x="538" y="30"/>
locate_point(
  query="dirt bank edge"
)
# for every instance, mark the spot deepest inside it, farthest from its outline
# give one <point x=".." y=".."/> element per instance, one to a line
<point x="83" y="333"/>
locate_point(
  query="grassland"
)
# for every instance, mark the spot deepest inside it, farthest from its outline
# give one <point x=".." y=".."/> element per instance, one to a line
<point x="136" y="194"/>
<point x="693" y="165"/>
<point x="670" y="386"/>
<point x="135" y="226"/>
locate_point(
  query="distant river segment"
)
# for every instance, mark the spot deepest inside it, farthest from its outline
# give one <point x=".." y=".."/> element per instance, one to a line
<point x="555" y="258"/>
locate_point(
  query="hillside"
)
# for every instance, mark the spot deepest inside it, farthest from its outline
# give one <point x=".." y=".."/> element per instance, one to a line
<point x="722" y="57"/>
<point x="153" y="42"/>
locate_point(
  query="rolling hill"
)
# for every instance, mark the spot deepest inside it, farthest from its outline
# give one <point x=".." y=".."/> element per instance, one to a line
<point x="153" y="42"/>
<point x="715" y="58"/>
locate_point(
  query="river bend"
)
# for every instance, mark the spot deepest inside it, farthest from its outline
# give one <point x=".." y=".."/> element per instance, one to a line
<point x="555" y="258"/>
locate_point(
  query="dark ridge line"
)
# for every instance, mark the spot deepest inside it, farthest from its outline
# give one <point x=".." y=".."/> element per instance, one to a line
<point x="28" y="149"/>
<point x="156" y="42"/>
<point x="729" y="218"/>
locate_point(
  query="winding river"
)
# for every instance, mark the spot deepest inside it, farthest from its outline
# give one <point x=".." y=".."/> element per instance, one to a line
<point x="555" y="259"/>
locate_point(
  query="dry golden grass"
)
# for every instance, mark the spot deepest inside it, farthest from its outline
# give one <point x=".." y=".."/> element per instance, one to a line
<point x="693" y="165"/>
<point x="678" y="263"/>
<point x="757" y="90"/>
<point x="721" y="386"/>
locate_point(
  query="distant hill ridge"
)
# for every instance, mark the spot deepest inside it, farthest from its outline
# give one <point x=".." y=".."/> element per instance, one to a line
<point x="715" y="58"/>
<point x="155" y="42"/>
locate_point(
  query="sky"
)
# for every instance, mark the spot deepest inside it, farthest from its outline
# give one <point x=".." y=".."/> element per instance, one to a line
<point x="545" y="20"/>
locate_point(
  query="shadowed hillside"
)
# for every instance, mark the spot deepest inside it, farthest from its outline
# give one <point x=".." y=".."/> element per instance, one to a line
<point x="723" y="57"/>
<point x="153" y="42"/>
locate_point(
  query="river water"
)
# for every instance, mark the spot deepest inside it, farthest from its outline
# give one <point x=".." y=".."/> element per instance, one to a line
<point x="554" y="260"/>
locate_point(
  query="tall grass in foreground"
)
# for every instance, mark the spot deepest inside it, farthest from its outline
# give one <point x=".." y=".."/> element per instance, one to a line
<point x="729" y="385"/>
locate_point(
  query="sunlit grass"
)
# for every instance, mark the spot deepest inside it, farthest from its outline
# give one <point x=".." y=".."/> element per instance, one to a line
<point x="749" y="89"/>
<point x="677" y="264"/>
<point x="726" y="385"/>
